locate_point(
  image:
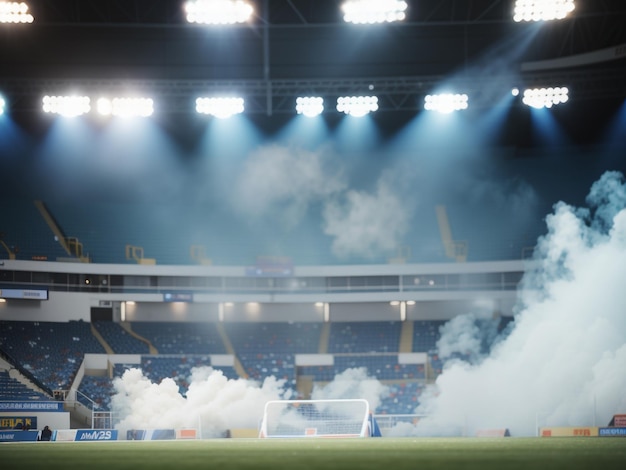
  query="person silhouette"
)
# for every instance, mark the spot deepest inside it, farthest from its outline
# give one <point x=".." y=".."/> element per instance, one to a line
<point x="46" y="434"/>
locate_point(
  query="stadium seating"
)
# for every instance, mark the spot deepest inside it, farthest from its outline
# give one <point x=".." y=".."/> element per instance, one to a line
<point x="402" y="398"/>
<point x="181" y="338"/>
<point x="51" y="351"/>
<point x="119" y="339"/>
<point x="426" y="334"/>
<point x="281" y="338"/>
<point x="364" y="337"/>
<point x="13" y="389"/>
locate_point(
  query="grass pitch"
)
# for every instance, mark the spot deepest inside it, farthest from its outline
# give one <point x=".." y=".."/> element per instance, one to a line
<point x="337" y="454"/>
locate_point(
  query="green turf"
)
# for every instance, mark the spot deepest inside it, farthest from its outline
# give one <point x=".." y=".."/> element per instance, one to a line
<point x="339" y="454"/>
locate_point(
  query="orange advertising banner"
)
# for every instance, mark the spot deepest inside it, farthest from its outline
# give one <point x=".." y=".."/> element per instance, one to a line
<point x="582" y="431"/>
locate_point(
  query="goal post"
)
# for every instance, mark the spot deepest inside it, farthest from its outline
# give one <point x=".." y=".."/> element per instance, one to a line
<point x="316" y="418"/>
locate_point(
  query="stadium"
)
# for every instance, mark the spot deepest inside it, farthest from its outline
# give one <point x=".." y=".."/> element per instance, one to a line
<point x="242" y="238"/>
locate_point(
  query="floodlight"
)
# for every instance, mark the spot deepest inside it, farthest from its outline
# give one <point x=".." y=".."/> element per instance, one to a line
<point x="126" y="107"/>
<point x="220" y="107"/>
<point x="310" y="106"/>
<point x="68" y="106"/>
<point x="2" y="105"/>
<point x="542" y="10"/>
<point x="218" y="11"/>
<point x="446" y="102"/>
<point x="15" y="12"/>
<point x="373" y="11"/>
<point x="545" y="97"/>
<point x="357" y="106"/>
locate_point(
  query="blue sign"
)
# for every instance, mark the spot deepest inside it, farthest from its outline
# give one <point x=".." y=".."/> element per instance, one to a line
<point x="18" y="436"/>
<point x="96" y="435"/>
<point x="31" y="406"/>
<point x="178" y="296"/>
<point x="612" y="432"/>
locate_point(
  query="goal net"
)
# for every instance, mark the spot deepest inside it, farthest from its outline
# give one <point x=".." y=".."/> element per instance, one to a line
<point x="315" y="418"/>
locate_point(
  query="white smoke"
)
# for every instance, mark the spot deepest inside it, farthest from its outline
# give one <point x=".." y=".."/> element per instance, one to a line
<point x="469" y="336"/>
<point x="368" y="224"/>
<point x="352" y="383"/>
<point x="564" y="362"/>
<point x="213" y="403"/>
<point x="284" y="182"/>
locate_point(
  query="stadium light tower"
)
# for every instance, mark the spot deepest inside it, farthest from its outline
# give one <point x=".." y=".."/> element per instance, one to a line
<point x="446" y="102"/>
<point x="542" y="10"/>
<point x="67" y="106"/>
<point x="220" y="107"/>
<point x="357" y="106"/>
<point x="125" y="107"/>
<point x="310" y="106"/>
<point x="218" y="12"/>
<point x="545" y="97"/>
<point x="373" y="11"/>
<point x="15" y="12"/>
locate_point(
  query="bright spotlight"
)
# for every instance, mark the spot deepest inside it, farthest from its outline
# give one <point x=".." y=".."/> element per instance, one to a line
<point x="357" y="106"/>
<point x="218" y="12"/>
<point x="446" y="102"/>
<point x="2" y="105"/>
<point x="545" y="97"/>
<point x="373" y="11"/>
<point x="542" y="10"/>
<point x="15" y="12"/>
<point x="220" y="107"/>
<point x="515" y="91"/>
<point x="125" y="107"/>
<point x="310" y="106"/>
<point x="68" y="106"/>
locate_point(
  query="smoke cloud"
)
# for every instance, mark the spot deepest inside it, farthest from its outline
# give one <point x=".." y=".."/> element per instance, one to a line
<point x="468" y="336"/>
<point x="352" y="384"/>
<point x="368" y="224"/>
<point x="287" y="184"/>
<point x="213" y="403"/>
<point x="284" y="182"/>
<point x="563" y="362"/>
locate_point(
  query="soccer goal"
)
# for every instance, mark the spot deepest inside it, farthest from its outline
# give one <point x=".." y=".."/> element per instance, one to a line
<point x="316" y="418"/>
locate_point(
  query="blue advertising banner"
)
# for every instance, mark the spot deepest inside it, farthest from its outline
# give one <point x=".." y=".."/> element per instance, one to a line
<point x="31" y="406"/>
<point x="18" y="436"/>
<point x="96" y="435"/>
<point x="612" y="432"/>
<point x="18" y="422"/>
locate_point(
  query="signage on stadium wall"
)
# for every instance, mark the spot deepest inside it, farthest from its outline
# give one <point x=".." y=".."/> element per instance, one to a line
<point x="96" y="435"/>
<point x="151" y="434"/>
<point x="581" y="431"/>
<point x="28" y="294"/>
<point x="613" y="432"/>
<point x="18" y="422"/>
<point x="271" y="266"/>
<point x="18" y="436"/>
<point x="31" y="406"/>
<point x="178" y="296"/>
<point x="186" y="434"/>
